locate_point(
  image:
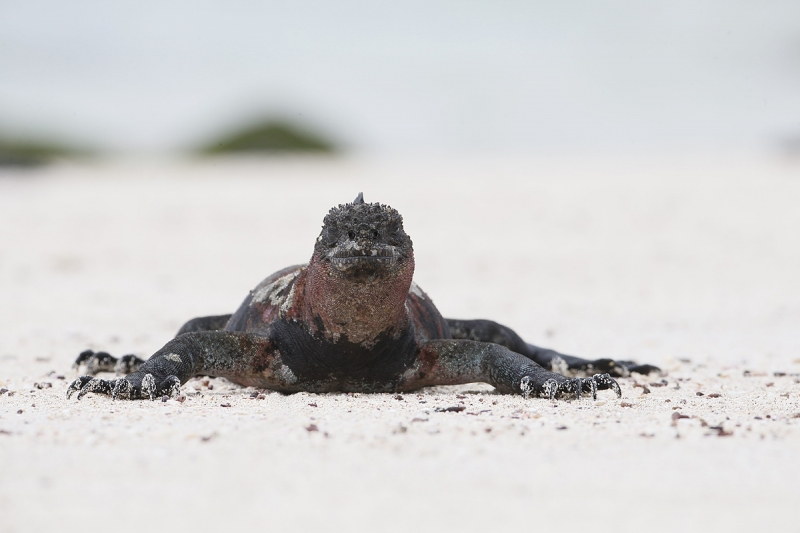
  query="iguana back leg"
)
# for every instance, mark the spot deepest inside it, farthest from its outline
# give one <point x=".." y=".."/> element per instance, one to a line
<point x="204" y="323"/>
<point x="488" y="331"/>
<point x="96" y="362"/>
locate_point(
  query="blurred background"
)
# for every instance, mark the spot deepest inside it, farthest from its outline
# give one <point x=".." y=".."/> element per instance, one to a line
<point x="438" y="77"/>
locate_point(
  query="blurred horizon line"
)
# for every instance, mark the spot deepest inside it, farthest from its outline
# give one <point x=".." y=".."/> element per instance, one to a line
<point x="412" y="77"/>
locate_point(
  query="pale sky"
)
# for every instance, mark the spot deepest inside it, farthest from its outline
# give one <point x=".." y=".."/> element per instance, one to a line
<point x="430" y="77"/>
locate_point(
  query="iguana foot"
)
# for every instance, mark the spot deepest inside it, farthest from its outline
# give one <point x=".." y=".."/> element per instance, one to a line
<point x="552" y="387"/>
<point x="104" y="362"/>
<point x="127" y="364"/>
<point x="137" y="388"/>
<point x="566" y="365"/>
<point x="630" y="366"/>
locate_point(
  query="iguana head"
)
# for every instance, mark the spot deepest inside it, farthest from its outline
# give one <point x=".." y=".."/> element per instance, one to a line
<point x="363" y="241"/>
<point x="360" y="274"/>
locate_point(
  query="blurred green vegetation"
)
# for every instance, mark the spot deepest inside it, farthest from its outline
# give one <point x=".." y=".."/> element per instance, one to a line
<point x="20" y="152"/>
<point x="270" y="136"/>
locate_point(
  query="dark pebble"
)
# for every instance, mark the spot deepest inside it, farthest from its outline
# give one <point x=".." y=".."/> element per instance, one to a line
<point x="451" y="409"/>
<point x="312" y="404"/>
<point x="699" y="393"/>
<point x="3" y="391"/>
<point x="312" y="427"/>
<point x="721" y="431"/>
<point x="224" y="405"/>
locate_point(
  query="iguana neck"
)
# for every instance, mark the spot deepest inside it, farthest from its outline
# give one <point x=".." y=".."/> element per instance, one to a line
<point x="359" y="311"/>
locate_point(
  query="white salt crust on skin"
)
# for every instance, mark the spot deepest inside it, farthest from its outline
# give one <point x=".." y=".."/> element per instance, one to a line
<point x="416" y="290"/>
<point x="274" y="289"/>
<point x="286" y="304"/>
<point x="285" y="374"/>
<point x="651" y="259"/>
<point x="557" y="364"/>
<point x="174" y="357"/>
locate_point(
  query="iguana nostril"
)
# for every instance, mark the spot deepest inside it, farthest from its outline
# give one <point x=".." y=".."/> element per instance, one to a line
<point x="375" y="233"/>
<point x="351" y="234"/>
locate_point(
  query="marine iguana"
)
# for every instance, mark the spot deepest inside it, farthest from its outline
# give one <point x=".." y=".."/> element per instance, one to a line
<point x="351" y="320"/>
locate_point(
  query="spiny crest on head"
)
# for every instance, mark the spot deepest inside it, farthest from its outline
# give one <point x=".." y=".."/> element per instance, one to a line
<point x="360" y="212"/>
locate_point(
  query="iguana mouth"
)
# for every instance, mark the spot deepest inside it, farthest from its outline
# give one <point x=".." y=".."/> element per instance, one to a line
<point x="344" y="258"/>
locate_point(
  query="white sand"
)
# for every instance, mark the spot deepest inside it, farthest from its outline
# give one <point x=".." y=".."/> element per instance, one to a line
<point x="653" y="259"/>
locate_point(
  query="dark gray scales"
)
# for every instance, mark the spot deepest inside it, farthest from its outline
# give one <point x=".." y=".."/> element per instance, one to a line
<point x="350" y="320"/>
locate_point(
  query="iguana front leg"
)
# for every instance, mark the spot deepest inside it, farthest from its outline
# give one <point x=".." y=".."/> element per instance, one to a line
<point x="242" y="357"/>
<point x="452" y="362"/>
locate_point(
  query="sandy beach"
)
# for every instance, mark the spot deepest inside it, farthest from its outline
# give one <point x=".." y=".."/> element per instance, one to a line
<point x="689" y="263"/>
